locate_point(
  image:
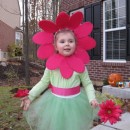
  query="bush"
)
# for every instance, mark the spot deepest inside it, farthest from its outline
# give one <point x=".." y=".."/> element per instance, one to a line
<point x="14" y="50"/>
<point x="18" y="51"/>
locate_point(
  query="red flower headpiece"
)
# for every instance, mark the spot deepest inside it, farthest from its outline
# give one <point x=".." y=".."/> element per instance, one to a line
<point x="69" y="64"/>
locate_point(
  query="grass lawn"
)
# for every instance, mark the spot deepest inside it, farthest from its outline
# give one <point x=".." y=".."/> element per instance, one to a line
<point x="10" y="112"/>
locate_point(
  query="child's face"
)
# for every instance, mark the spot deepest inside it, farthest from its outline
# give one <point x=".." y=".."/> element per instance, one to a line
<point x="65" y="43"/>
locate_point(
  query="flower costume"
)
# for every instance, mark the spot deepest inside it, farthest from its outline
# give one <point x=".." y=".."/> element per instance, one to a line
<point x="65" y="105"/>
<point x="84" y="42"/>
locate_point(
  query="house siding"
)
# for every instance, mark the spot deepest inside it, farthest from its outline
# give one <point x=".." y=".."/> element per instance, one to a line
<point x="9" y="20"/>
<point x="98" y="70"/>
<point x="10" y="13"/>
<point x="7" y="36"/>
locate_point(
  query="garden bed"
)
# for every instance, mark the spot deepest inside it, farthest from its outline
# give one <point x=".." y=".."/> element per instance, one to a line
<point x="13" y="73"/>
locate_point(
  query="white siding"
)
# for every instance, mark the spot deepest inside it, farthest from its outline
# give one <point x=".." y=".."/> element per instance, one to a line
<point x="10" y="12"/>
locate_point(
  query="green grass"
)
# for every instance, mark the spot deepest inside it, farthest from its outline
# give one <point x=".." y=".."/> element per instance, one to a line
<point x="11" y="117"/>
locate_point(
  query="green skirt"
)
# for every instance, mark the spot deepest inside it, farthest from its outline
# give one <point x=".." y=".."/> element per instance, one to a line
<point x="49" y="112"/>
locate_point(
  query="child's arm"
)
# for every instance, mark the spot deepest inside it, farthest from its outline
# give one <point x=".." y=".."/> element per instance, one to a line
<point x="87" y="84"/>
<point x="36" y="90"/>
<point x="40" y="86"/>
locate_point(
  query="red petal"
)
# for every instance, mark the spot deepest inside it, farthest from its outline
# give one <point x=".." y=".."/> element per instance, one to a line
<point x="116" y="115"/>
<point x="43" y="38"/>
<point x="112" y="120"/>
<point x="76" y="64"/>
<point x="75" y="20"/>
<point x="45" y="51"/>
<point x="54" y="62"/>
<point x="62" y="20"/>
<point x="65" y="70"/>
<point x="83" y="55"/>
<point x="87" y="43"/>
<point x="103" y="105"/>
<point x="84" y="30"/>
<point x="110" y="103"/>
<point x="105" y="119"/>
<point x="48" y="26"/>
<point x="118" y="110"/>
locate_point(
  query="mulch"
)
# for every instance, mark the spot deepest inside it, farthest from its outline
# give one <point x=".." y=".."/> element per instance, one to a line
<point x="13" y="73"/>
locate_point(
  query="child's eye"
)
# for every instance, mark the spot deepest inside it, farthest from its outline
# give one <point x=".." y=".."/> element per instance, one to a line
<point x="71" y="41"/>
<point x="62" y="41"/>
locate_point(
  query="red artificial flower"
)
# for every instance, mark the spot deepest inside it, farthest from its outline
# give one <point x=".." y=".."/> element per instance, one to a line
<point x="21" y="93"/>
<point x="46" y="50"/>
<point x="109" y="111"/>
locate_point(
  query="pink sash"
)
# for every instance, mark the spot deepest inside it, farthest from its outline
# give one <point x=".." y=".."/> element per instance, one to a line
<point x="65" y="91"/>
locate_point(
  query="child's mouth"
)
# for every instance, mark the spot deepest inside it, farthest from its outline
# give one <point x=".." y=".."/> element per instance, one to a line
<point x="67" y="50"/>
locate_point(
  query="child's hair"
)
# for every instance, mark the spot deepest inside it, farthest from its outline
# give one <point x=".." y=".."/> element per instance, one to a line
<point x="64" y="31"/>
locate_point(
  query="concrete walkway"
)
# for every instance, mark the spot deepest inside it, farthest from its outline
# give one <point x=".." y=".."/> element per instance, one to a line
<point x="124" y="124"/>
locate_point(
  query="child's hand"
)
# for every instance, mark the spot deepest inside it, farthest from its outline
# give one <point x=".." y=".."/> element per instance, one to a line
<point x="94" y="103"/>
<point x="25" y="103"/>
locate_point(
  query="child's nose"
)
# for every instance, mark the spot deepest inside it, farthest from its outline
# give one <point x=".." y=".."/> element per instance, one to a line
<point x="67" y="43"/>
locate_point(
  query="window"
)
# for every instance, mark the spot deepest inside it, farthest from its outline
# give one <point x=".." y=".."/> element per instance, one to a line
<point x="18" y="38"/>
<point x="114" y="30"/>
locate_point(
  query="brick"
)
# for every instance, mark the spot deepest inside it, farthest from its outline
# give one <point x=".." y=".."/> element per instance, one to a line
<point x="98" y="70"/>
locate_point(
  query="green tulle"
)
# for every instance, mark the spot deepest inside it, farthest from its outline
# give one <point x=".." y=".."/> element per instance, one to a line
<point x="49" y="112"/>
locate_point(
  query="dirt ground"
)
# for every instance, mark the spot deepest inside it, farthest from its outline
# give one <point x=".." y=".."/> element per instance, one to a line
<point x="13" y="73"/>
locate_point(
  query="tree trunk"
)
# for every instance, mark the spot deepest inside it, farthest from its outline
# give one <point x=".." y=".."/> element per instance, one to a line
<point x="27" y="76"/>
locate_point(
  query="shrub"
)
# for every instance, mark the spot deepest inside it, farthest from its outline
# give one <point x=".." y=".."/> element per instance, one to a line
<point x="14" y="50"/>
